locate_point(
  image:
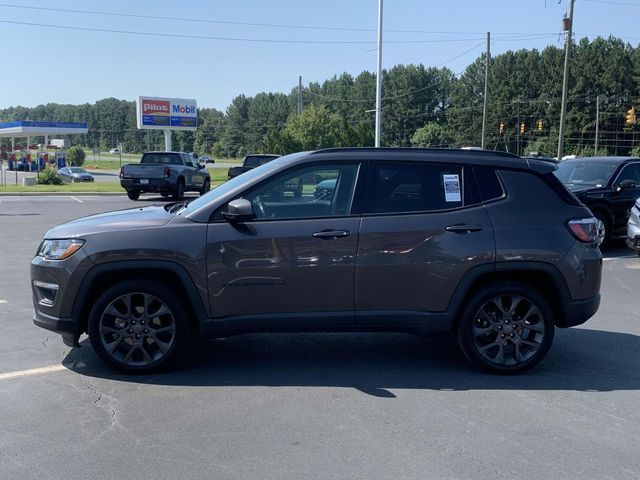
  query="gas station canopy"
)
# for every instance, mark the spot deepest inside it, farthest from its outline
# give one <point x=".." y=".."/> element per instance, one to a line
<point x="33" y="129"/>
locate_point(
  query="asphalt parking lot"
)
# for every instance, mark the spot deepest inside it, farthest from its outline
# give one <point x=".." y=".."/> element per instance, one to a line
<point x="312" y="406"/>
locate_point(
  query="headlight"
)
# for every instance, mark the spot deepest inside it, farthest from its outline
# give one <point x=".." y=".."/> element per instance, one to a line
<point x="59" y="249"/>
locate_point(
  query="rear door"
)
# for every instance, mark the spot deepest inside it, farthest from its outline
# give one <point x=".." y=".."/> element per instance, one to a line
<point x="421" y="231"/>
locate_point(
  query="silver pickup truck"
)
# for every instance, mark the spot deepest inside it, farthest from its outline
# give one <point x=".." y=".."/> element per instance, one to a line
<point x="167" y="173"/>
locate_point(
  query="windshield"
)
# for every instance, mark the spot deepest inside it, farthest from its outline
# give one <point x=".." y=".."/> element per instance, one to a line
<point x="585" y="172"/>
<point x="229" y="185"/>
<point x="77" y="170"/>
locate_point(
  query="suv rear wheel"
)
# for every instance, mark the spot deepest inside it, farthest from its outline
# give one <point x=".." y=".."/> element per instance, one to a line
<point x="138" y="326"/>
<point x="506" y="328"/>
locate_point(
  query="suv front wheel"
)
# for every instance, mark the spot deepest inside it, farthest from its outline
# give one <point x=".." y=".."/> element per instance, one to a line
<point x="138" y="326"/>
<point x="506" y="328"/>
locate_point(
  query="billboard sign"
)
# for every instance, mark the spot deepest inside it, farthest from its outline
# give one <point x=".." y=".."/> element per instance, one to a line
<point x="156" y="113"/>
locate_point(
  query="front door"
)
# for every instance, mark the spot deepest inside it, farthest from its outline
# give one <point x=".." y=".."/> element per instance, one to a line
<point x="294" y="263"/>
<point x="623" y="200"/>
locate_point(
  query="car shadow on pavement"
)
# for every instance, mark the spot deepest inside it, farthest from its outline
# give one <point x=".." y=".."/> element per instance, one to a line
<point x="618" y="249"/>
<point x="376" y="364"/>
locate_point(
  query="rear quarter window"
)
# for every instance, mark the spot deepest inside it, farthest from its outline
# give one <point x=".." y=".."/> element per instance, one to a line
<point x="489" y="186"/>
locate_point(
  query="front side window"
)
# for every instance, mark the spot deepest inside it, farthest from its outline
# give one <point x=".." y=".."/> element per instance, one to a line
<point x="318" y="191"/>
<point x="630" y="172"/>
<point x="407" y="188"/>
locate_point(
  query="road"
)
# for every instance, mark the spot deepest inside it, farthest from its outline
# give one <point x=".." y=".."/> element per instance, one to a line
<point x="318" y="406"/>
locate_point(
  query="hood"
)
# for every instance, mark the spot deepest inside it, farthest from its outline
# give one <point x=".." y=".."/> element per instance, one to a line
<point x="581" y="188"/>
<point x="131" y="219"/>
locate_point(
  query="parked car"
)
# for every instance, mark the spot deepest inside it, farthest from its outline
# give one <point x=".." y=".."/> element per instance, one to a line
<point x="410" y="240"/>
<point x="207" y="160"/>
<point x="114" y="150"/>
<point x="249" y="162"/>
<point x="633" y="228"/>
<point x="168" y="173"/>
<point x="75" y="174"/>
<point x="609" y="186"/>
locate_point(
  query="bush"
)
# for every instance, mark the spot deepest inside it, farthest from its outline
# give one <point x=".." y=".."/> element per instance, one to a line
<point x="49" y="176"/>
<point x="75" y="156"/>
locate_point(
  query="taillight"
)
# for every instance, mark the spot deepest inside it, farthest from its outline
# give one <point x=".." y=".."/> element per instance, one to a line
<point x="121" y="172"/>
<point x="167" y="172"/>
<point x="584" y="229"/>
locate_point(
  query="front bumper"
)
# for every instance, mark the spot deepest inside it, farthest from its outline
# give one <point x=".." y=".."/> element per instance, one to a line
<point x="68" y="328"/>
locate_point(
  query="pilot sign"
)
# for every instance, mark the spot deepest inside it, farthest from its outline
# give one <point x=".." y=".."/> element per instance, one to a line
<point x="156" y="113"/>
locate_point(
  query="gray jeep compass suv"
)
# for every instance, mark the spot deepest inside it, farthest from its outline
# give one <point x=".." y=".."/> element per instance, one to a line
<point x="486" y="245"/>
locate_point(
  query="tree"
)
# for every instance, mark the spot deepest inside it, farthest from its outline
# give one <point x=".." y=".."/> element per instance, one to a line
<point x="432" y="135"/>
<point x="75" y="156"/>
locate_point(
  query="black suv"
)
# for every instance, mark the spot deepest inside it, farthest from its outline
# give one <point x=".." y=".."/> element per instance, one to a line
<point x="609" y="186"/>
<point x="485" y="245"/>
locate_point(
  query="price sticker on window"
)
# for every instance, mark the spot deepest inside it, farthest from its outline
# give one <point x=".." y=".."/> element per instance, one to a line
<point x="451" y="188"/>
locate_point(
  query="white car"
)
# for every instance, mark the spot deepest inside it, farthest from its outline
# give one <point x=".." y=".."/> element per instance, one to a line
<point x="114" y="150"/>
<point x="633" y="228"/>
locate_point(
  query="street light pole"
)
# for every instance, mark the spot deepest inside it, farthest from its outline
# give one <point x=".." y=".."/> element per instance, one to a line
<point x="565" y="81"/>
<point x="379" y="77"/>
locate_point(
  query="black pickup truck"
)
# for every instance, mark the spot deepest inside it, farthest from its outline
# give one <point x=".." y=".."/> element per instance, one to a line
<point x="167" y="173"/>
<point x="249" y="162"/>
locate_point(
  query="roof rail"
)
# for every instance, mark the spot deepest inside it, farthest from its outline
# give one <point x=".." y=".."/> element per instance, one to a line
<point x="415" y="150"/>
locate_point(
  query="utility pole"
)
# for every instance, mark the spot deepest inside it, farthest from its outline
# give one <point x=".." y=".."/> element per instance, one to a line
<point x="379" y="77"/>
<point x="486" y="90"/>
<point x="300" y="95"/>
<point x="595" y="152"/>
<point x="568" y="26"/>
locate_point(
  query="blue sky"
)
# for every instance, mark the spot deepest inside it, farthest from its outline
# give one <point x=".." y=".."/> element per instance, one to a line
<point x="70" y="66"/>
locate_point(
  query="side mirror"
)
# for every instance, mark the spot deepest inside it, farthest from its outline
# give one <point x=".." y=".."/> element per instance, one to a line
<point x="238" y="210"/>
<point x="626" y="184"/>
<point x="200" y="166"/>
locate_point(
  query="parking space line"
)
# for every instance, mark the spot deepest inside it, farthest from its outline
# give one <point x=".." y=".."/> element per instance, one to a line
<point x="32" y="371"/>
<point x="76" y="199"/>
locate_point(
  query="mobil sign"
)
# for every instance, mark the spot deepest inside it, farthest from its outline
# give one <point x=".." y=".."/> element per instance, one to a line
<point x="167" y="113"/>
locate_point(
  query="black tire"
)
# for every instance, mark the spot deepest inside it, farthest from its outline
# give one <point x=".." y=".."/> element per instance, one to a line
<point x="510" y="335"/>
<point x="206" y="186"/>
<point x="133" y="194"/>
<point x="141" y="335"/>
<point x="178" y="193"/>
<point x="606" y="225"/>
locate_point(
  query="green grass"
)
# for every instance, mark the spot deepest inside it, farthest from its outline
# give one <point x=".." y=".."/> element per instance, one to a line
<point x="98" y="187"/>
<point x="218" y="176"/>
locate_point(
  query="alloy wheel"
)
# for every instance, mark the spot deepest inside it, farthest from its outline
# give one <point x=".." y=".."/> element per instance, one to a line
<point x="508" y="330"/>
<point x="137" y="329"/>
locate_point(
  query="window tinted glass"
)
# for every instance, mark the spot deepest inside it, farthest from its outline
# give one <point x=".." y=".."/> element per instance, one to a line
<point x="630" y="172"/>
<point x="319" y="191"/>
<point x="488" y="183"/>
<point x="585" y="172"/>
<point x="162" y="158"/>
<point x="416" y="188"/>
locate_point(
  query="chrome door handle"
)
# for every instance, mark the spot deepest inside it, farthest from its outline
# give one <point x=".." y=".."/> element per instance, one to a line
<point x="463" y="228"/>
<point x="327" y="234"/>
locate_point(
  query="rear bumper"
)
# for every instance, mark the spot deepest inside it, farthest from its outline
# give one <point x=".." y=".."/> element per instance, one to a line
<point x="154" y="185"/>
<point x="577" y="312"/>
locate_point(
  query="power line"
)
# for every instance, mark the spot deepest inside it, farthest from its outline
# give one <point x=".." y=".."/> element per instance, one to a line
<point x="232" y="39"/>
<point x="250" y="24"/>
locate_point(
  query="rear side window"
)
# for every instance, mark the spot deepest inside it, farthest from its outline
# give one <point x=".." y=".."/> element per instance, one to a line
<point x="406" y="188"/>
<point x="489" y="186"/>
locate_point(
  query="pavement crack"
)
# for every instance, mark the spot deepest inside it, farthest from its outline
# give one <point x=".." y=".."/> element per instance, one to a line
<point x="44" y="344"/>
